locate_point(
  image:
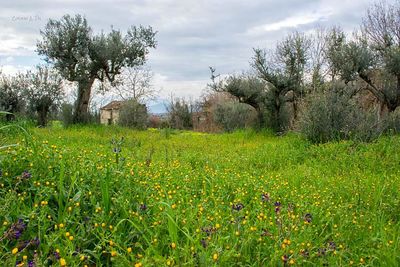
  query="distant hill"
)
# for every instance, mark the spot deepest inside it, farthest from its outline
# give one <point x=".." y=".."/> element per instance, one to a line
<point x="158" y="107"/>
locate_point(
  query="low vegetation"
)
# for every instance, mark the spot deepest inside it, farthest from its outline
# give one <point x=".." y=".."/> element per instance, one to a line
<point x="113" y="196"/>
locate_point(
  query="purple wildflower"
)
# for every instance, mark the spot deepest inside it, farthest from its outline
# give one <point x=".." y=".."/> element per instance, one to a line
<point x="238" y="206"/>
<point x="16" y="230"/>
<point x="209" y="230"/>
<point x="308" y="218"/>
<point x="332" y="245"/>
<point x="26" y="175"/>
<point x="56" y="255"/>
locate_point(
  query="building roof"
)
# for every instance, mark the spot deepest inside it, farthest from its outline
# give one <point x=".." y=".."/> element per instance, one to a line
<point x="112" y="105"/>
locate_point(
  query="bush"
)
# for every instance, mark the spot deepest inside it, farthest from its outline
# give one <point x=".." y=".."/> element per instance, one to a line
<point x="393" y="122"/>
<point x="11" y="97"/>
<point x="180" y="114"/>
<point x="157" y="121"/>
<point x="233" y="115"/>
<point x="154" y="122"/>
<point x="333" y="115"/>
<point x="133" y="114"/>
<point x="66" y="115"/>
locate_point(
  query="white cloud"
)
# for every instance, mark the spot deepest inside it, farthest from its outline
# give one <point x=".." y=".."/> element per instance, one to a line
<point x="178" y="88"/>
<point x="290" y="22"/>
<point x="14" y="43"/>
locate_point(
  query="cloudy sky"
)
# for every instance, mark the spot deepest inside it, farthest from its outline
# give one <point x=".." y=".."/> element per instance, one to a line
<point x="192" y="34"/>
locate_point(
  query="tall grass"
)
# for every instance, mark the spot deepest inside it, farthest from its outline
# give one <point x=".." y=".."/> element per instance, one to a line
<point x="190" y="199"/>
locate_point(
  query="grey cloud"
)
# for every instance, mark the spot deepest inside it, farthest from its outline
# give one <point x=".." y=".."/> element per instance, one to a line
<point x="192" y="34"/>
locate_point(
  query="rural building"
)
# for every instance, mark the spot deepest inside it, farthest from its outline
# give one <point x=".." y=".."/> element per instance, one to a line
<point x="109" y="114"/>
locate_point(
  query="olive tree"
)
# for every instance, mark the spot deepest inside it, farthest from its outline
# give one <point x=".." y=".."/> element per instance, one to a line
<point x="279" y="79"/>
<point x="283" y="71"/>
<point x="43" y="90"/>
<point x="81" y="56"/>
<point x="180" y="113"/>
<point x="374" y="55"/>
<point x="11" y="95"/>
<point x="335" y="40"/>
<point x="247" y="89"/>
<point x="232" y="115"/>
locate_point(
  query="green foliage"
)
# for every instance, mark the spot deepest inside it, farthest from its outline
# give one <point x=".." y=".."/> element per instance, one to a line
<point x="233" y="115"/>
<point x="180" y="114"/>
<point x="393" y="122"/>
<point x="335" y="39"/>
<point x="249" y="198"/>
<point x="2" y="129"/>
<point x="293" y="54"/>
<point x="66" y="114"/>
<point x="43" y="91"/>
<point x="133" y="114"/>
<point x="88" y="52"/>
<point x="284" y="72"/>
<point x="333" y="116"/>
<point x="14" y="129"/>
<point x="375" y="51"/>
<point x="11" y="95"/>
<point x="249" y="90"/>
<point x="355" y="59"/>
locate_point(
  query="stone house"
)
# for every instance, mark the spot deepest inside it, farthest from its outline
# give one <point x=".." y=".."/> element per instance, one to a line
<point x="109" y="114"/>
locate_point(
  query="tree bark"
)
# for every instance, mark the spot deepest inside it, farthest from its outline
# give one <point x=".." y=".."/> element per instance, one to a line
<point x="277" y="124"/>
<point x="42" y="113"/>
<point x="260" y="116"/>
<point x="383" y="110"/>
<point x="81" y="114"/>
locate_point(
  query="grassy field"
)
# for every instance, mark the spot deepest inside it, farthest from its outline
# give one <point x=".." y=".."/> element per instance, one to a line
<point x="71" y="197"/>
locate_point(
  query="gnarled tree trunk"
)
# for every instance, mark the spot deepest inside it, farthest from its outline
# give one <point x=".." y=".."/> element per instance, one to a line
<point x="81" y="114"/>
<point x="260" y="115"/>
<point x="42" y="115"/>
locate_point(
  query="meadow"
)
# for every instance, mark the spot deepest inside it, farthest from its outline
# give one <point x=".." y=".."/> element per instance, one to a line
<point x="110" y="196"/>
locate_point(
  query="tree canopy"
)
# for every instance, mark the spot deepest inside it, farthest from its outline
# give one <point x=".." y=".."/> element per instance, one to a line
<point x="82" y="56"/>
<point x="43" y="90"/>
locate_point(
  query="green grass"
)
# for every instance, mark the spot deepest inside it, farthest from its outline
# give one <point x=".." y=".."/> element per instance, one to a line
<point x="169" y="200"/>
